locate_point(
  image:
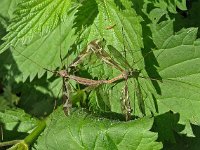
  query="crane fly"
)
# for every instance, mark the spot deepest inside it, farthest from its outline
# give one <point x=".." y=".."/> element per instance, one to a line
<point x="138" y="90"/>
<point x="65" y="74"/>
<point x="125" y="74"/>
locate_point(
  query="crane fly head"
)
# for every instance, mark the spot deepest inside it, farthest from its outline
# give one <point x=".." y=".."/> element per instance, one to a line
<point x="63" y="73"/>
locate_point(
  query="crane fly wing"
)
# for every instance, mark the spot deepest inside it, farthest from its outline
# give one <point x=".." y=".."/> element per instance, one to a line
<point x="119" y="57"/>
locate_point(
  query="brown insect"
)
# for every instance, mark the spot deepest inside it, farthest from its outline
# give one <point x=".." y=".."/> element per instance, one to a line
<point x="106" y="58"/>
<point x="92" y="47"/>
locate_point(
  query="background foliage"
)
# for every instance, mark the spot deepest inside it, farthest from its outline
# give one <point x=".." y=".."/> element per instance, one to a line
<point x="158" y="37"/>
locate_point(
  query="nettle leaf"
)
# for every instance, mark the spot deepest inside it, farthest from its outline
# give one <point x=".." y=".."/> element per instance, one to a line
<point x="34" y="17"/>
<point x="83" y="131"/>
<point x="7" y="8"/>
<point x="16" y="124"/>
<point x="44" y="52"/>
<point x="178" y="57"/>
<point x="36" y="33"/>
<point x="178" y="90"/>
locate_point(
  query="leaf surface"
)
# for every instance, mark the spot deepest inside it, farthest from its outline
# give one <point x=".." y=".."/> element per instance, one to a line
<point x="82" y="131"/>
<point x="34" y="17"/>
<point x="178" y="58"/>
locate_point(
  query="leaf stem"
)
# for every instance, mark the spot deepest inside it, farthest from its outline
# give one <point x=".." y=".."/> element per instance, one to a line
<point x="36" y="132"/>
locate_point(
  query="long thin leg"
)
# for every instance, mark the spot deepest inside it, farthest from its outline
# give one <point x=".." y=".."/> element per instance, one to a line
<point x="125" y="100"/>
<point x="67" y="104"/>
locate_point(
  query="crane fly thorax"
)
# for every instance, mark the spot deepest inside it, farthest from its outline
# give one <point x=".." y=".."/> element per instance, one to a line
<point x="63" y="73"/>
<point x="134" y="72"/>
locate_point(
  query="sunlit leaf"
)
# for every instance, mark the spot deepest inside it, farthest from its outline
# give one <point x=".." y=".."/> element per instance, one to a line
<point x="83" y="131"/>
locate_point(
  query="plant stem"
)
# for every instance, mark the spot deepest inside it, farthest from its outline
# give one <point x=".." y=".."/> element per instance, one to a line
<point x="36" y="132"/>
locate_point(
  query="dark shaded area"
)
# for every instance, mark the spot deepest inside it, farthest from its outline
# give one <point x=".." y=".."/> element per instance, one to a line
<point x="166" y="125"/>
<point x="185" y="13"/>
<point x="168" y="129"/>
<point x="149" y="58"/>
<point x="6" y="59"/>
<point x="29" y="96"/>
<point x="34" y="101"/>
<point x="85" y="15"/>
<point x="119" y="4"/>
<point x="1" y="87"/>
<point x="183" y="142"/>
<point x="27" y="93"/>
<point x="9" y="135"/>
<point x="191" y="19"/>
<point x="155" y="103"/>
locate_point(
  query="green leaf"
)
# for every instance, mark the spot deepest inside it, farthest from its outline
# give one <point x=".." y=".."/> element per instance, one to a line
<point x="99" y="101"/>
<point x="18" y="122"/>
<point x="168" y="60"/>
<point x="34" y="18"/>
<point x="173" y="83"/>
<point x="178" y="57"/>
<point x="83" y="131"/>
<point x="44" y="52"/>
<point x="175" y="54"/>
<point x="7" y="8"/>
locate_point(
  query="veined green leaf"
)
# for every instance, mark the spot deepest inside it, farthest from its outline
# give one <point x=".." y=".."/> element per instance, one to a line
<point x="178" y="57"/>
<point x="171" y="85"/>
<point x="82" y="131"/>
<point x="34" y="18"/>
<point x="44" y="52"/>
